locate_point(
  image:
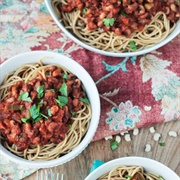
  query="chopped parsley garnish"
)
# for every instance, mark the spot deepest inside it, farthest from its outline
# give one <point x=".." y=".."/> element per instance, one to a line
<point x="62" y="101"/>
<point x="132" y="45"/>
<point x="128" y="176"/>
<point x="25" y="120"/>
<point x="21" y="109"/>
<point x="25" y="97"/>
<point x="35" y="114"/>
<point x="124" y="14"/>
<point x="43" y="115"/>
<point x="108" y="22"/>
<point x="114" y="145"/>
<point x="160" y="177"/>
<point x="40" y="91"/>
<point x="65" y="76"/>
<point x="162" y="143"/>
<point x="52" y="90"/>
<point x="63" y="89"/>
<point x="41" y="102"/>
<point x="85" y="10"/>
<point x="49" y="112"/>
<point x="85" y="100"/>
<point x="34" y="111"/>
<point x="73" y="113"/>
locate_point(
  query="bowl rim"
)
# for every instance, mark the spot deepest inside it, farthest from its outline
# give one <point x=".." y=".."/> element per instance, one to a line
<point x="134" y="160"/>
<point x="171" y="36"/>
<point x="34" y="56"/>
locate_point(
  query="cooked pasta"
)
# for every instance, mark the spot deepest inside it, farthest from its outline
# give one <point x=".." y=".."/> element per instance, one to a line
<point x="34" y="122"/>
<point x="131" y="173"/>
<point x="131" y="30"/>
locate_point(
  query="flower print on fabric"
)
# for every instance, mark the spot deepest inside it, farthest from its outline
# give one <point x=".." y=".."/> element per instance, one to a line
<point x="14" y="41"/>
<point x="165" y="85"/>
<point x="27" y="26"/>
<point x="124" y="116"/>
<point x="11" y="171"/>
<point x="19" y="31"/>
<point x="66" y="46"/>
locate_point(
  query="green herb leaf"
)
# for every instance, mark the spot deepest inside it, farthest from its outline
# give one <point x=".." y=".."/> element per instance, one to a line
<point x="132" y="45"/>
<point x="114" y="145"/>
<point x="85" y="100"/>
<point x="20" y="136"/>
<point x="25" y="97"/>
<point x="43" y="115"/>
<point x="108" y="22"/>
<point x="38" y="108"/>
<point x="34" y="111"/>
<point x="41" y="102"/>
<point x="162" y="143"/>
<point x="25" y="120"/>
<point x="35" y="114"/>
<point x="160" y="177"/>
<point x="52" y="90"/>
<point x="62" y="100"/>
<point x="70" y="126"/>
<point x="128" y="176"/>
<point x="37" y="119"/>
<point x="73" y="113"/>
<point x="65" y="76"/>
<point x="85" y="10"/>
<point x="21" y="109"/>
<point x="49" y="112"/>
<point x="124" y="14"/>
<point x="63" y="89"/>
<point x="40" y="91"/>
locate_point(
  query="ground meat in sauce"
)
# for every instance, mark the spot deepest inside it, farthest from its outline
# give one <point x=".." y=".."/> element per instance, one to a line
<point x="127" y="15"/>
<point x="51" y="119"/>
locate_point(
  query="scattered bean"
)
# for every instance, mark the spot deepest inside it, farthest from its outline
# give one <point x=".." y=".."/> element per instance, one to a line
<point x="108" y="138"/>
<point x="152" y="130"/>
<point x="123" y="133"/>
<point x="157" y="136"/>
<point x="135" y="131"/>
<point x="118" y="139"/>
<point x="172" y="133"/>
<point x="147" y="148"/>
<point x="127" y="137"/>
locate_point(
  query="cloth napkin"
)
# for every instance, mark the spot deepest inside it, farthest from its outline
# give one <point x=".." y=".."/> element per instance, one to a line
<point x="96" y="163"/>
<point x="135" y="92"/>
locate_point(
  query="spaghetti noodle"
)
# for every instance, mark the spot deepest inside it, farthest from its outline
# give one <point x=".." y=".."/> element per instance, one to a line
<point x="131" y="173"/>
<point x="52" y="129"/>
<point x="124" y="35"/>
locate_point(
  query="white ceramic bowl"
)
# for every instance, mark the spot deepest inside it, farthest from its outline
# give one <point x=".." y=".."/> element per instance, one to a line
<point x="175" y="32"/>
<point x="149" y="165"/>
<point x="89" y="85"/>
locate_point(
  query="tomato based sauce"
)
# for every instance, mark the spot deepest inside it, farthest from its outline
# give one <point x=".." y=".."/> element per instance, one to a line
<point x="39" y="111"/>
<point x="123" y="17"/>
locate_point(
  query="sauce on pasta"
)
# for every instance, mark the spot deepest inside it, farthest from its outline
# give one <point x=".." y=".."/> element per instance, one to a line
<point x="121" y="17"/>
<point x="38" y="109"/>
<point x="118" y="25"/>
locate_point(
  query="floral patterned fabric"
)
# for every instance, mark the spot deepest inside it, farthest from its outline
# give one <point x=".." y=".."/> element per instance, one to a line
<point x="135" y="91"/>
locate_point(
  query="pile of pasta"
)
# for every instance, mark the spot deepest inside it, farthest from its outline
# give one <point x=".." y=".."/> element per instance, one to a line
<point x="131" y="173"/>
<point x="30" y="126"/>
<point x="118" y="26"/>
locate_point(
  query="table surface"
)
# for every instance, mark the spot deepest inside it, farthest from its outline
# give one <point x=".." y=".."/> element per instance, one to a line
<point x="169" y="154"/>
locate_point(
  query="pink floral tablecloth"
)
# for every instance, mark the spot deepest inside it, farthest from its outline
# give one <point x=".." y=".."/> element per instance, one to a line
<point x="135" y="91"/>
